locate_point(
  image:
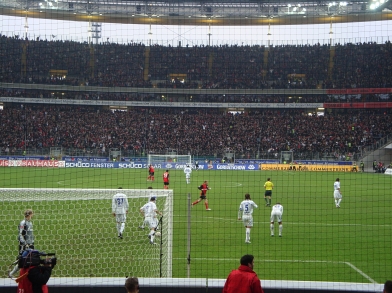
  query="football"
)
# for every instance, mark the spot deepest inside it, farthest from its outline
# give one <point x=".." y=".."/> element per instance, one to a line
<point x="158" y="234"/>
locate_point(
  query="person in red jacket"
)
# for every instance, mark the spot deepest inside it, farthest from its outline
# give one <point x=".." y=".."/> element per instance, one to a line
<point x="33" y="277"/>
<point x="244" y="279"/>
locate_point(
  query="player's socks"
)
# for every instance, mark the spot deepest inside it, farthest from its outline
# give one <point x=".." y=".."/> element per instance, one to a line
<point x="339" y="200"/>
<point x="118" y="228"/>
<point x="14" y="271"/>
<point x="206" y="204"/>
<point x="152" y="236"/>
<point x="272" y="229"/>
<point x="122" y="227"/>
<point x="247" y="234"/>
<point x="280" y="229"/>
<point x="152" y="178"/>
<point x="196" y="202"/>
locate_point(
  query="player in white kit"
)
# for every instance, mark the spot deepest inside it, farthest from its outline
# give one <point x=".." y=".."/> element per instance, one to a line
<point x="276" y="215"/>
<point x="188" y="171"/>
<point x="150" y="211"/>
<point x="245" y="212"/>
<point x="120" y="210"/>
<point x="336" y="193"/>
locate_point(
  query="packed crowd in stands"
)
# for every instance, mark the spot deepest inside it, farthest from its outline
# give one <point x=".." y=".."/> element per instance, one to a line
<point x="195" y="131"/>
<point x="221" y="67"/>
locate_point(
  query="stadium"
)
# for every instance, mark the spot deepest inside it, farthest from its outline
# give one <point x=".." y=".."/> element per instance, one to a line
<point x="92" y="93"/>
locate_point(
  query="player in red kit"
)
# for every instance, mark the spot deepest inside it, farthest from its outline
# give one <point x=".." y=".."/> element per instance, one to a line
<point x="203" y="195"/>
<point x="151" y="173"/>
<point x="166" y="179"/>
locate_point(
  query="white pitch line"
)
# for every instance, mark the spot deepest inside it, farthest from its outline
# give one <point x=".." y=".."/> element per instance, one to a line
<point x="231" y="220"/>
<point x="294" y="261"/>
<point x="234" y="184"/>
<point x="360" y="272"/>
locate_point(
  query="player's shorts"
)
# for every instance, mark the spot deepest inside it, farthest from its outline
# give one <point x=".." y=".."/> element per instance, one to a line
<point x="268" y="193"/>
<point x="165" y="183"/>
<point x="247" y="220"/>
<point x="276" y="217"/>
<point x="121" y="218"/>
<point x="337" y="195"/>
<point x="151" y="222"/>
<point x="203" y="196"/>
<point x="151" y="173"/>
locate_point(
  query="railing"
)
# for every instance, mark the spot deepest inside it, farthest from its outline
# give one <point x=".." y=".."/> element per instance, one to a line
<point x="196" y="154"/>
<point x="375" y="146"/>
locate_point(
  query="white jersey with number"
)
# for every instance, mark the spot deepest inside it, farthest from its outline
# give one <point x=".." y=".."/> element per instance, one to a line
<point x="276" y="213"/>
<point x="187" y="171"/>
<point x="246" y="207"/>
<point x="245" y="212"/>
<point x="120" y="204"/>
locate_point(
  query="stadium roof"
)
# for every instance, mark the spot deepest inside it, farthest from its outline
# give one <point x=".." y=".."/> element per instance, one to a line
<point x="215" y="12"/>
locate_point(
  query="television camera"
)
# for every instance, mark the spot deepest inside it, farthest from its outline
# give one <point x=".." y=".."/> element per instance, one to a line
<point x="32" y="257"/>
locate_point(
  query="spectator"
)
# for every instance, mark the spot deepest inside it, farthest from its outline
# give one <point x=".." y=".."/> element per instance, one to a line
<point x="244" y="279"/>
<point x="132" y="285"/>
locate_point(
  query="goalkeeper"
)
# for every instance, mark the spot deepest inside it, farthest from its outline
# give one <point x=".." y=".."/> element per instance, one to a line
<point x="25" y="237"/>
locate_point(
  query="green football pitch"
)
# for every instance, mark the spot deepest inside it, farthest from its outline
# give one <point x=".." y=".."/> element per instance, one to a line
<point x="320" y="242"/>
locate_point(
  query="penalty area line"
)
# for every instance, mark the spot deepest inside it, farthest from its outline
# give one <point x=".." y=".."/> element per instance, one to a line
<point x="360" y="272"/>
<point x="234" y="184"/>
<point x="295" y="261"/>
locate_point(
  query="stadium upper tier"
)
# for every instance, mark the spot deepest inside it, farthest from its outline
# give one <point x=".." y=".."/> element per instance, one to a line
<point x="362" y="65"/>
<point x="228" y="12"/>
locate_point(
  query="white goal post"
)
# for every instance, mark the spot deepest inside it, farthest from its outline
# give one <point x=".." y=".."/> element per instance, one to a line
<point x="78" y="225"/>
<point x="168" y="158"/>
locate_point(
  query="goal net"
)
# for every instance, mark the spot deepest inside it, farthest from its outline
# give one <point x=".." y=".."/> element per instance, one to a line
<point x="78" y="225"/>
<point x="286" y="157"/>
<point x="162" y="160"/>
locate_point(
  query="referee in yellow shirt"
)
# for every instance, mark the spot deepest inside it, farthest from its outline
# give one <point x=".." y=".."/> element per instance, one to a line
<point x="268" y="192"/>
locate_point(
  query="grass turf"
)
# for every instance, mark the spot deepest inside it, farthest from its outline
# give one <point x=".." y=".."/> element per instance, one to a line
<point x="319" y="243"/>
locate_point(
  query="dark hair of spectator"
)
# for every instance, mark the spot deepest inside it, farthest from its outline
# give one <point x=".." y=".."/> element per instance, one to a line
<point x="246" y="259"/>
<point x="388" y="287"/>
<point x="132" y="284"/>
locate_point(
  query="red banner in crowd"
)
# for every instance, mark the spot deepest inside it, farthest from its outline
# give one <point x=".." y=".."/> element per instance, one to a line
<point x="359" y="91"/>
<point x="30" y="163"/>
<point x="371" y="105"/>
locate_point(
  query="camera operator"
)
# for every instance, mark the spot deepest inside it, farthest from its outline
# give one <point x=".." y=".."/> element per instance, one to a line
<point x="33" y="278"/>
